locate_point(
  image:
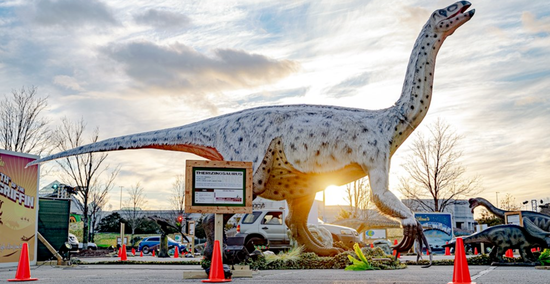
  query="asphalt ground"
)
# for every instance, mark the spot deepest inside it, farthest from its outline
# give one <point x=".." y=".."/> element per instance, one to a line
<point x="163" y="273"/>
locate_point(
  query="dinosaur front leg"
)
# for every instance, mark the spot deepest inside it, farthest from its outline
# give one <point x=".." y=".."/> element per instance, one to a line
<point x="297" y="222"/>
<point x="389" y="204"/>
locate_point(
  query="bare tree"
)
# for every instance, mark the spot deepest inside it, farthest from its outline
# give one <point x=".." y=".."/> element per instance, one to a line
<point x="435" y="174"/>
<point x="133" y="208"/>
<point x="98" y="199"/>
<point x="357" y="194"/>
<point x="508" y="203"/>
<point x="178" y="202"/>
<point x="22" y="127"/>
<point x="83" y="171"/>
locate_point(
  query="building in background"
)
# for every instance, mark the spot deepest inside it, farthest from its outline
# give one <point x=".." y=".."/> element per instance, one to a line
<point x="463" y="218"/>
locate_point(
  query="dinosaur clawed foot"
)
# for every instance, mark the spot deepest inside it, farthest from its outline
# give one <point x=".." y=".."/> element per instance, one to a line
<point x="303" y="237"/>
<point x="411" y="233"/>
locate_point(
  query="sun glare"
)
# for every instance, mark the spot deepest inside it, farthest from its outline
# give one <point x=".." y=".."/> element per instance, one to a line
<point x="334" y="195"/>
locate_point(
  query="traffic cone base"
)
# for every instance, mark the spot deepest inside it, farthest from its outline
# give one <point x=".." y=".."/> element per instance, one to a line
<point x="23" y="272"/>
<point x="461" y="273"/>
<point x="216" y="266"/>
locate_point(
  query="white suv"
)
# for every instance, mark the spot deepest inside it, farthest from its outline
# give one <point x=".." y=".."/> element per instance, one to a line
<point x="266" y="227"/>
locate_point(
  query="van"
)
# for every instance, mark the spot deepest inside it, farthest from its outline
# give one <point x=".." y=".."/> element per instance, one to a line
<point x="266" y="228"/>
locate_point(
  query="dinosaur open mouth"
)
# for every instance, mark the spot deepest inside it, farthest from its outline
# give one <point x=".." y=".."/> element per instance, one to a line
<point x="461" y="10"/>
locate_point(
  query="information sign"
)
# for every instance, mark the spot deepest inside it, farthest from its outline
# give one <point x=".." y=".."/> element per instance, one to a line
<point x="218" y="187"/>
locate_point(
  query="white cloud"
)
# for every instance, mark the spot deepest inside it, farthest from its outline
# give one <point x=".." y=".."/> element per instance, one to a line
<point x="67" y="82"/>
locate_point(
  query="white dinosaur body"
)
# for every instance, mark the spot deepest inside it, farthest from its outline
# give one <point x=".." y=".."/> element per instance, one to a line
<point x="298" y="150"/>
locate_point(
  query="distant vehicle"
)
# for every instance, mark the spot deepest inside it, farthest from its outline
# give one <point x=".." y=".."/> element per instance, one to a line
<point x="76" y="245"/>
<point x="347" y="235"/>
<point x="266" y="227"/>
<point x="149" y="242"/>
<point x="91" y="246"/>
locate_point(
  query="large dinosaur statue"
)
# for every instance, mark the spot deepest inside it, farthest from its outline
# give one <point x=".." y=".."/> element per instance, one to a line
<point x="298" y="150"/>
<point x="538" y="220"/>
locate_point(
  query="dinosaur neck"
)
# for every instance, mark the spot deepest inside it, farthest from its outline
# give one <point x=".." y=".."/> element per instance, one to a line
<point x="497" y="212"/>
<point x="416" y="95"/>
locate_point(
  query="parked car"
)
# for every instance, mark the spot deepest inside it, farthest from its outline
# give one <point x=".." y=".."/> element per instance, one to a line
<point x="147" y="243"/>
<point x="267" y="227"/>
<point x="91" y="246"/>
<point x="347" y="235"/>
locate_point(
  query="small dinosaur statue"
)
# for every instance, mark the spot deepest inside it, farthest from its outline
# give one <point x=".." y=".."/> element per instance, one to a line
<point x="298" y="150"/>
<point x="164" y="226"/>
<point x="504" y="237"/>
<point x="539" y="220"/>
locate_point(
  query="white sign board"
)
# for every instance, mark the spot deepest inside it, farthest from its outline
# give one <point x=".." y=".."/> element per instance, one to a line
<point x="375" y="234"/>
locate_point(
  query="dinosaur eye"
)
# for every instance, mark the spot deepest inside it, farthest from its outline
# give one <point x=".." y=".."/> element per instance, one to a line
<point x="452" y="7"/>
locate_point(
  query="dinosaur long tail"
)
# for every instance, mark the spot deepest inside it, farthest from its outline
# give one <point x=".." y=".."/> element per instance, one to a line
<point x="174" y="139"/>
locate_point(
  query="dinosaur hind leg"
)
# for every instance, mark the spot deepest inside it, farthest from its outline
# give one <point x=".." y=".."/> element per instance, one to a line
<point x="297" y="222"/>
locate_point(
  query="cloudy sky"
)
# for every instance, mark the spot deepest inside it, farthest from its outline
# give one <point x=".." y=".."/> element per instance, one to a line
<point x="133" y="66"/>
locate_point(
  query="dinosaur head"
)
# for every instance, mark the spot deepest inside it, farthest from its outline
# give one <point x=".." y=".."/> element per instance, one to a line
<point x="445" y="21"/>
<point x="473" y="203"/>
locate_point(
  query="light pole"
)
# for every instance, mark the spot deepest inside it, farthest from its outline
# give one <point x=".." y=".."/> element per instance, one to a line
<point x="120" y="207"/>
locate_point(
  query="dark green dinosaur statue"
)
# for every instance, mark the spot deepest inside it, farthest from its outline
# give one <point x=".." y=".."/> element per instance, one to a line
<point x="504" y="237"/>
<point x="539" y="220"/>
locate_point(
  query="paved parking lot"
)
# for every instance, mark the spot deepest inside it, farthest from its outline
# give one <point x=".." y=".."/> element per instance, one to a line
<point x="159" y="273"/>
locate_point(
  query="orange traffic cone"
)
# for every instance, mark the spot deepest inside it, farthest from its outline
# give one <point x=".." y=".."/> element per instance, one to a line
<point x="153" y="252"/>
<point x="141" y="254"/>
<point x="134" y="251"/>
<point x="23" y="268"/>
<point x="216" y="267"/>
<point x="461" y="274"/>
<point x="475" y="251"/>
<point x="447" y="249"/>
<point x="371" y="246"/>
<point x="427" y="251"/>
<point x="509" y="253"/>
<point x="123" y="256"/>
<point x="176" y="253"/>
<point x="394" y="242"/>
<point x="120" y="252"/>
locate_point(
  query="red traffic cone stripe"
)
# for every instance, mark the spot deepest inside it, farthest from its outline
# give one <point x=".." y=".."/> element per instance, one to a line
<point x="461" y="273"/>
<point x="23" y="268"/>
<point x="216" y="267"/>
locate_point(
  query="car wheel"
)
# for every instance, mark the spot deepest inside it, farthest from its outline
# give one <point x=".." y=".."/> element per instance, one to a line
<point x="254" y="241"/>
<point x="145" y="249"/>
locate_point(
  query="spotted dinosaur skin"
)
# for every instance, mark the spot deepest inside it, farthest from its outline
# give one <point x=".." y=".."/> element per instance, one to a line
<point x="504" y="237"/>
<point x="298" y="150"/>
